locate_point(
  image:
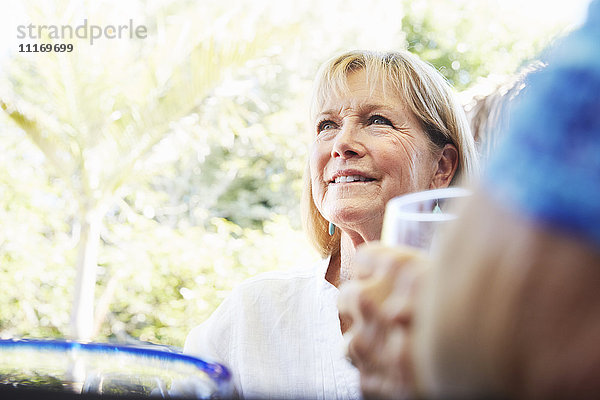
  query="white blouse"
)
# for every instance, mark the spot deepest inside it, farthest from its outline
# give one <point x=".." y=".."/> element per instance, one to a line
<point x="279" y="334"/>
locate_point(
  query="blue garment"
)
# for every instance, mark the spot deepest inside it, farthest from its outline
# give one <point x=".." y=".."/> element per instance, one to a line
<point x="548" y="165"/>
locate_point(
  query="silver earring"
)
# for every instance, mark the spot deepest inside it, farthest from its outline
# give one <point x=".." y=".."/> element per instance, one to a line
<point x="331" y="229"/>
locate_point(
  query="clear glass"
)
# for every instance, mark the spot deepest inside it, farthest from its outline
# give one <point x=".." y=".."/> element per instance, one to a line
<point x="116" y="370"/>
<point x="415" y="219"/>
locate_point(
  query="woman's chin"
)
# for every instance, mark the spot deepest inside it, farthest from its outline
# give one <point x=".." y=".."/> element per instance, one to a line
<point x="356" y="216"/>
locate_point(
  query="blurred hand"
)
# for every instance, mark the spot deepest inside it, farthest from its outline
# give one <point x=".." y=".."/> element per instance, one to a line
<point x="379" y="305"/>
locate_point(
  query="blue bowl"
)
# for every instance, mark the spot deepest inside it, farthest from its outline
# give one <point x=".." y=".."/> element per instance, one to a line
<point x="108" y="369"/>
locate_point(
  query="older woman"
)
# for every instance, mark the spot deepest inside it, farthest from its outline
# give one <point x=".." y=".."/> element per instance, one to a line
<point x="383" y="124"/>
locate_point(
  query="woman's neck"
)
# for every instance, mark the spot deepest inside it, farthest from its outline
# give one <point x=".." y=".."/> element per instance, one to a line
<point x="340" y="265"/>
<point x="340" y="269"/>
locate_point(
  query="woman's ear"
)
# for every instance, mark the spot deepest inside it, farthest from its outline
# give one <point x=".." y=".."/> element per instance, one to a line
<point x="446" y="167"/>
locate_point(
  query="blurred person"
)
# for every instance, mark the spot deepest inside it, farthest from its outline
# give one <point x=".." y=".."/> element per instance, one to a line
<point x="383" y="124"/>
<point x="489" y="110"/>
<point x="508" y="307"/>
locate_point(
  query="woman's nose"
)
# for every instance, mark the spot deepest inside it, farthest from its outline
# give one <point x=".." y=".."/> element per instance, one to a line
<point x="347" y="143"/>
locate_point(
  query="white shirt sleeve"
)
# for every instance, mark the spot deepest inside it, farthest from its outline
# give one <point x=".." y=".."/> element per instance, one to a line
<point x="211" y="339"/>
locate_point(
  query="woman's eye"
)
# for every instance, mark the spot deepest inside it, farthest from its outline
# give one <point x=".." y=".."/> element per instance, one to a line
<point x="379" y="120"/>
<point x="324" y="125"/>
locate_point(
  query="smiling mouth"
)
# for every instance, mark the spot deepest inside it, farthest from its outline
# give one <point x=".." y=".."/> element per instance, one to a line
<point x="351" y="178"/>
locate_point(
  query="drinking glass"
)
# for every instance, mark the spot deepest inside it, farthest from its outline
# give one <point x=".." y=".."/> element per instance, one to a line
<point x="415" y="219"/>
<point x="92" y="369"/>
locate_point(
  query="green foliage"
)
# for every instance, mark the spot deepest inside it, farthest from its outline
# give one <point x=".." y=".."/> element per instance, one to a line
<point x="36" y="246"/>
<point x="466" y="39"/>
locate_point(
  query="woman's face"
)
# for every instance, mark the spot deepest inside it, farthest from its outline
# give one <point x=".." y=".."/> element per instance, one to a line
<point x="368" y="148"/>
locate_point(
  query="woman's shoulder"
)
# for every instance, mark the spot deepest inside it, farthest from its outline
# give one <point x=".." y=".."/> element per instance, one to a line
<point x="255" y="302"/>
<point x="299" y="272"/>
<point x="280" y="280"/>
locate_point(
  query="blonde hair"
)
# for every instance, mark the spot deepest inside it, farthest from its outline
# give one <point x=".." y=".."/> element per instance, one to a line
<point x="427" y="95"/>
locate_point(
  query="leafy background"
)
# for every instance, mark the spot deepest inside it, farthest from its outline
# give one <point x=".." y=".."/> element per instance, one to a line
<point x="169" y="169"/>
